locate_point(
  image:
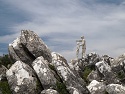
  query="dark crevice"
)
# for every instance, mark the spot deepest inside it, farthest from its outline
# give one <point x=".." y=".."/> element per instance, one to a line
<point x="32" y="57"/>
<point x="28" y="53"/>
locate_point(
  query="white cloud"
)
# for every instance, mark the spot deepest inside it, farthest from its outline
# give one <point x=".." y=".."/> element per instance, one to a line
<point x="100" y="23"/>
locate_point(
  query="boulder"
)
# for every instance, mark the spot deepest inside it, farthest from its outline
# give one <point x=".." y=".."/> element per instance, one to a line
<point x="35" y="46"/>
<point x="73" y="83"/>
<point x="49" y="91"/>
<point x="94" y="75"/>
<point x="28" y="47"/>
<point x="44" y="73"/>
<point x="21" y="79"/>
<point x="3" y="70"/>
<point x="115" y="89"/>
<point x="118" y="60"/>
<point x="90" y="59"/>
<point x="103" y="67"/>
<point x="118" y="63"/>
<point x="96" y="87"/>
<point x="17" y="52"/>
<point x="107" y="59"/>
<point x="106" y="72"/>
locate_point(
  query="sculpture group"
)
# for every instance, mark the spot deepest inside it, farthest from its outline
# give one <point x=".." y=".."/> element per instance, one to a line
<point x="81" y="43"/>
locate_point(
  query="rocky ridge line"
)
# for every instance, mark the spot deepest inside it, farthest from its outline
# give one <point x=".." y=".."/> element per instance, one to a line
<point x="37" y="70"/>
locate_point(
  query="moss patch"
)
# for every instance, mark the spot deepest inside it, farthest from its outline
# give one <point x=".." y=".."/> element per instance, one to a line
<point x="4" y="87"/>
<point x="61" y="88"/>
<point x="87" y="70"/>
<point x="121" y="75"/>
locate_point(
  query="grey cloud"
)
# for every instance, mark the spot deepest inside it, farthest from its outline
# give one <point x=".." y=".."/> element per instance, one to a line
<point x="61" y="22"/>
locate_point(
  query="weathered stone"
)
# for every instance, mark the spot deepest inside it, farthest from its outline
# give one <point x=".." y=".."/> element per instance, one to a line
<point x="103" y="67"/>
<point x="35" y="45"/>
<point x="117" y="61"/>
<point x="3" y="70"/>
<point x="17" y="52"/>
<point x="88" y="61"/>
<point x="22" y="79"/>
<point x="73" y="83"/>
<point x="94" y="75"/>
<point x="96" y="87"/>
<point x="44" y="73"/>
<point x="106" y="73"/>
<point x="49" y="91"/>
<point x="74" y="65"/>
<point x="107" y="59"/>
<point x="115" y="89"/>
<point x="28" y="47"/>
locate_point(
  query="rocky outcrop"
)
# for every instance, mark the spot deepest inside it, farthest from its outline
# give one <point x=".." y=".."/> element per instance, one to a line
<point x="115" y="89"/>
<point x="21" y="78"/>
<point x="3" y="70"/>
<point x="28" y="47"/>
<point x="49" y="91"/>
<point x="107" y="75"/>
<point x="44" y="73"/>
<point x="94" y="75"/>
<point x="73" y="84"/>
<point x="96" y="87"/>
<point x="38" y="71"/>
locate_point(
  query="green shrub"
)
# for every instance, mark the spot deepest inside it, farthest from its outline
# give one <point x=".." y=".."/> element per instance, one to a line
<point x="86" y="72"/>
<point x="4" y="87"/>
<point x="5" y="60"/>
<point x="106" y="92"/>
<point x="121" y="75"/>
<point x="61" y="88"/>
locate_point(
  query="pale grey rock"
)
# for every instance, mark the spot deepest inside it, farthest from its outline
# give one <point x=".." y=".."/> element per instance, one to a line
<point x="28" y="47"/>
<point x="115" y="89"/>
<point x="94" y="75"/>
<point x="118" y="64"/>
<point x="35" y="46"/>
<point x="74" y="65"/>
<point x="44" y="73"/>
<point x="3" y="70"/>
<point x="106" y="72"/>
<point x="103" y="67"/>
<point x="107" y="59"/>
<point x="21" y="79"/>
<point x="49" y="91"/>
<point x="73" y="84"/>
<point x="96" y="87"/>
<point x="118" y="60"/>
<point x="90" y="59"/>
<point x="17" y="52"/>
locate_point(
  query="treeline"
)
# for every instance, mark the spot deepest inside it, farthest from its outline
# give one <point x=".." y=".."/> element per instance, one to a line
<point x="5" y="60"/>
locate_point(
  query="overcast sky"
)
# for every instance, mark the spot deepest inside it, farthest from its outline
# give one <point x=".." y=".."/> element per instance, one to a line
<point x="61" y="22"/>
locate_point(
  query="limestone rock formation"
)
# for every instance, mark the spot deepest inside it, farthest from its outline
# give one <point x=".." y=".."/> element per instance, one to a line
<point x="21" y="78"/>
<point x="44" y="73"/>
<point x="28" y="47"/>
<point x="73" y="84"/>
<point x="49" y="91"/>
<point x="115" y="89"/>
<point x="3" y="70"/>
<point x="96" y="87"/>
<point x="37" y="70"/>
<point x="107" y="75"/>
<point x="94" y="75"/>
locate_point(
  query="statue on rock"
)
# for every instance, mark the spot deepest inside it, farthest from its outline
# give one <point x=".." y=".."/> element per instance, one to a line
<point x="81" y="43"/>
